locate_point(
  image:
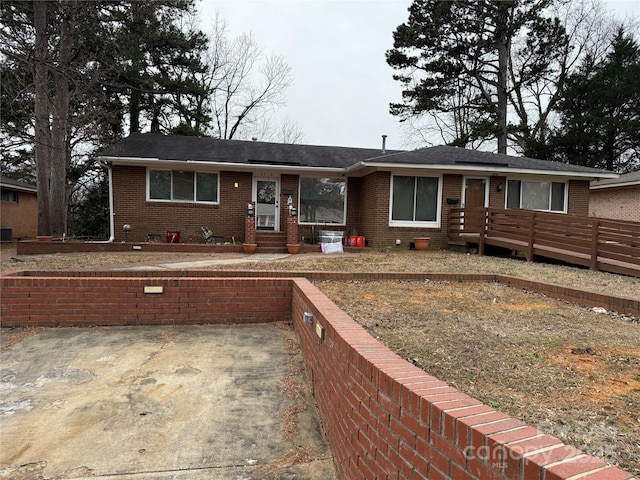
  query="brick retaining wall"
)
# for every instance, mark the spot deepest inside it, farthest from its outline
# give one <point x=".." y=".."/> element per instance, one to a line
<point x="387" y="419"/>
<point x="71" y="301"/>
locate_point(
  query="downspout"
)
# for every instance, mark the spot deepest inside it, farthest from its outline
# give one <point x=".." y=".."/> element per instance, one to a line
<point x="112" y="230"/>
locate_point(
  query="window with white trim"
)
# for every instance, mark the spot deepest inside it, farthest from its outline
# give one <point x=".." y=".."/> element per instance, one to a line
<point x="415" y="201"/>
<point x="543" y="196"/>
<point x="183" y="186"/>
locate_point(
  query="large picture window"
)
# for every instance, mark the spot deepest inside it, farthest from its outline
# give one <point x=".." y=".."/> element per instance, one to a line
<point x="183" y="186"/>
<point x="322" y="200"/>
<point x="415" y="201"/>
<point x="544" y="196"/>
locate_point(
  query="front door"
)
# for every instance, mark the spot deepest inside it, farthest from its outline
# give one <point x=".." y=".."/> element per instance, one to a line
<point x="266" y="193"/>
<point x="474" y="196"/>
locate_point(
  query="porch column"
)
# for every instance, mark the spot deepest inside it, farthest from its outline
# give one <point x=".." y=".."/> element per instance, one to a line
<point x="250" y="224"/>
<point x="292" y="226"/>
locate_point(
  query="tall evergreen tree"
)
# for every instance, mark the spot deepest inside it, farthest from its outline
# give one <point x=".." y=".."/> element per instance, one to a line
<point x="465" y="51"/>
<point x="600" y="110"/>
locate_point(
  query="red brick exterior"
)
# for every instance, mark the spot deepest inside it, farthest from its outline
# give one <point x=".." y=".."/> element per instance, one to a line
<point x="619" y="203"/>
<point x="367" y="208"/>
<point x="130" y="206"/>
<point x="578" y="198"/>
<point x="21" y="216"/>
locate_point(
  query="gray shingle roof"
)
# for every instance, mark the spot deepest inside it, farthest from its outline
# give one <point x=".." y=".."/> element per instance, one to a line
<point x="174" y="147"/>
<point x="205" y="149"/>
<point x="632" y="178"/>
<point x="454" y="156"/>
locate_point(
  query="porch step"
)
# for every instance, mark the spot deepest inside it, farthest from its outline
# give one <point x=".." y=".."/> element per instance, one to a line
<point x="266" y="239"/>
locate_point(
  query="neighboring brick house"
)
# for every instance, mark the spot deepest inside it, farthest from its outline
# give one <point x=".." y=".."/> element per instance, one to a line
<point x="18" y="209"/>
<point x="617" y="198"/>
<point x="172" y="183"/>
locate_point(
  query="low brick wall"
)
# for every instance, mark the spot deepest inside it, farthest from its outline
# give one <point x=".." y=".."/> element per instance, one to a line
<point x="388" y="419"/>
<point x="620" y="304"/>
<point x="72" y="301"/>
<point x="385" y="418"/>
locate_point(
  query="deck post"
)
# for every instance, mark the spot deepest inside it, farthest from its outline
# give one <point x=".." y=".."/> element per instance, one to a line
<point x="482" y="231"/>
<point x="532" y="230"/>
<point x="595" y="231"/>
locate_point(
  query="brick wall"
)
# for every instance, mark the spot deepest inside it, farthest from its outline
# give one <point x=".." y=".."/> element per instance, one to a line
<point x="56" y="301"/>
<point x="130" y="206"/>
<point x="578" y="198"/>
<point x="621" y="203"/>
<point x="21" y="217"/>
<point x="387" y="419"/>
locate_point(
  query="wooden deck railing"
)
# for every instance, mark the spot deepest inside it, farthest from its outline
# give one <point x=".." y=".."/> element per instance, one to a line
<point x="597" y="243"/>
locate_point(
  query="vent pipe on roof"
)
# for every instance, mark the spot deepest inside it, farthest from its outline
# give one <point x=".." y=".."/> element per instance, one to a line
<point x="254" y="139"/>
<point x="384" y="143"/>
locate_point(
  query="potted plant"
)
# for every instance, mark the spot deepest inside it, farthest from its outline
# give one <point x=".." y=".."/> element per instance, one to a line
<point x="249" y="248"/>
<point x="422" y="243"/>
<point x="293" y="248"/>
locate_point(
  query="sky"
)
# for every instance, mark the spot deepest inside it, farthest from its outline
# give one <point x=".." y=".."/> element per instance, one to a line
<point x="336" y="50"/>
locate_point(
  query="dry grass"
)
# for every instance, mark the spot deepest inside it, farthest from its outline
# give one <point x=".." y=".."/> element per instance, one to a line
<point x="569" y="371"/>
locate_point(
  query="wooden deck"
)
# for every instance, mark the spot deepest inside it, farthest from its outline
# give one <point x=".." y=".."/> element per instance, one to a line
<point x="597" y="243"/>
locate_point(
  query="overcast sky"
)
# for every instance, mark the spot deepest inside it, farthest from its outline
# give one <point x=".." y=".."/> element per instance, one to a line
<point x="336" y="49"/>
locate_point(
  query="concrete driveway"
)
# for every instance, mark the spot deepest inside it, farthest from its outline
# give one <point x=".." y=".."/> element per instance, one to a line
<point x="162" y="402"/>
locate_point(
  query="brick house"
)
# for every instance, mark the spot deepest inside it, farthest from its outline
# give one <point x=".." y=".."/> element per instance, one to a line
<point x="172" y="183"/>
<point x="18" y="208"/>
<point x="617" y="198"/>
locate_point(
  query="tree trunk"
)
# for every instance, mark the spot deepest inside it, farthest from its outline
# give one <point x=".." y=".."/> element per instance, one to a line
<point x="42" y="129"/>
<point x="501" y="107"/>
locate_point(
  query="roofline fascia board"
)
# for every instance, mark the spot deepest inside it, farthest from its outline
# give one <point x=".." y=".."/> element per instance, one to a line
<point x="615" y="185"/>
<point x="9" y="186"/>
<point x="145" y="162"/>
<point x="494" y="170"/>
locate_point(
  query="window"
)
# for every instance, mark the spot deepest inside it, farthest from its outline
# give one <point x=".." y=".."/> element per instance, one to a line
<point x="545" y="196"/>
<point x="8" y="196"/>
<point x="415" y="201"/>
<point x="183" y="186"/>
<point x="322" y="200"/>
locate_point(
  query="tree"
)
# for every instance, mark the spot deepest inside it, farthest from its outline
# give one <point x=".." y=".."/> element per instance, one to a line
<point x="244" y="85"/>
<point x="600" y="110"/>
<point x="465" y="50"/>
<point x="65" y="65"/>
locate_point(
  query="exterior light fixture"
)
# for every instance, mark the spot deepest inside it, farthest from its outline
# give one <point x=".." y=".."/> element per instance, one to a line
<point x="236" y="185"/>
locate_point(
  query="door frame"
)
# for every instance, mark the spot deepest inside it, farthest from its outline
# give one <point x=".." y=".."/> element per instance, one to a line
<point x="254" y="196"/>
<point x="486" y="189"/>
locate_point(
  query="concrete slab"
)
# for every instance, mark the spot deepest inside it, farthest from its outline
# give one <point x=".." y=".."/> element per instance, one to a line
<point x="182" y="402"/>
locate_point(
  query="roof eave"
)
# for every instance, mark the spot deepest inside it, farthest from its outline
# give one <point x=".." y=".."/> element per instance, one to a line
<point x="615" y="185"/>
<point x="485" y="169"/>
<point x="249" y="167"/>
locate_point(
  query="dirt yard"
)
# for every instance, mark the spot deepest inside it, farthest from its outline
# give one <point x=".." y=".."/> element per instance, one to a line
<point x="565" y="369"/>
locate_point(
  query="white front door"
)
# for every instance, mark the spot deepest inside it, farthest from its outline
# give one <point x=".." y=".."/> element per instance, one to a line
<point x="266" y="194"/>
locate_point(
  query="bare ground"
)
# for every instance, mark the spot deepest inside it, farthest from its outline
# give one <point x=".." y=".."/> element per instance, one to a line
<point x="565" y="369"/>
